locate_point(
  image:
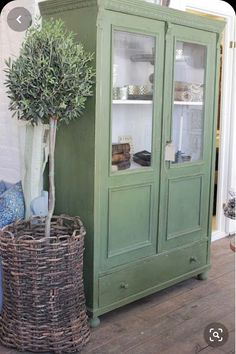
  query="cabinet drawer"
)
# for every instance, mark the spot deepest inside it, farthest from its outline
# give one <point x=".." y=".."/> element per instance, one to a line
<point x="150" y="273"/>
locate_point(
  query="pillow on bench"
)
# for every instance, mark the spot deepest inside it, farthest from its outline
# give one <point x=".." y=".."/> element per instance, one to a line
<point x="12" y="205"/>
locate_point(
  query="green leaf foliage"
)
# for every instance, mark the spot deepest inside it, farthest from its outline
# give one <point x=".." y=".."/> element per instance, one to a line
<point x="52" y="77"/>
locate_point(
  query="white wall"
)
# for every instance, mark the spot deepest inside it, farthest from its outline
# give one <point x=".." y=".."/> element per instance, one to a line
<point x="231" y="227"/>
<point x="10" y="41"/>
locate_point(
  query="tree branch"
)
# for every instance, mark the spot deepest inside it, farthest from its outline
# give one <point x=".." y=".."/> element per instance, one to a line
<point x="51" y="196"/>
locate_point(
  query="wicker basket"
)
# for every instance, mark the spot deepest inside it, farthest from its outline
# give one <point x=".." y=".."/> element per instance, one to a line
<point x="44" y="303"/>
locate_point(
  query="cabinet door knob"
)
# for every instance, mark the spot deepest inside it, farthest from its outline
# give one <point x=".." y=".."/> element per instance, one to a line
<point x="192" y="259"/>
<point x="124" y="285"/>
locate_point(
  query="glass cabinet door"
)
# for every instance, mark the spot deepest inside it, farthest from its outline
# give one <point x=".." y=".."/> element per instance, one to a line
<point x="132" y="100"/>
<point x="188" y="109"/>
<point x="188" y="120"/>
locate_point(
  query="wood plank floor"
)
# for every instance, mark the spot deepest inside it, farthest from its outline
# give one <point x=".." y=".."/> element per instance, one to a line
<point x="172" y="321"/>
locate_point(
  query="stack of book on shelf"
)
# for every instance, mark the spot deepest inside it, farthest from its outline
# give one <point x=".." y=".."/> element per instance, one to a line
<point x="143" y="158"/>
<point x="120" y="156"/>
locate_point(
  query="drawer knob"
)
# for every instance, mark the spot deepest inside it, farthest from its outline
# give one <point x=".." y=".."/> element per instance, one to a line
<point x="193" y="259"/>
<point x="124" y="285"/>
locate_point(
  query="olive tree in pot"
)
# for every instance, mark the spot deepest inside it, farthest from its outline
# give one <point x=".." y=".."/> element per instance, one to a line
<point x="44" y="305"/>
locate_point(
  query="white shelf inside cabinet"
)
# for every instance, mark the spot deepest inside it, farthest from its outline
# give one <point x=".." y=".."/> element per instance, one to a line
<point x="132" y="102"/>
<point x="133" y="166"/>
<point x="148" y="102"/>
<point x="188" y="103"/>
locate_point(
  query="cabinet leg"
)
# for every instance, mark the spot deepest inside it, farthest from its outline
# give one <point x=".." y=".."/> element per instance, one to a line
<point x="203" y="276"/>
<point x="94" y="322"/>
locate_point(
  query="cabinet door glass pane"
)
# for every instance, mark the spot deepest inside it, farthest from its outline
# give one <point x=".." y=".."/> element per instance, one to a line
<point x="132" y="101"/>
<point x="188" y="109"/>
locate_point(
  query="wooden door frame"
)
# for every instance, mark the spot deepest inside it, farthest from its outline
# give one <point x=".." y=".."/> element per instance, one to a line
<point x="227" y="128"/>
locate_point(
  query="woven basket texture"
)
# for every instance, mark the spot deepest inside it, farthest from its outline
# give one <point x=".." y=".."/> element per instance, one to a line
<point x="44" y="303"/>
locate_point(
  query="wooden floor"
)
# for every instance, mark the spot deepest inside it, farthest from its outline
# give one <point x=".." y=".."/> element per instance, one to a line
<point x="173" y="320"/>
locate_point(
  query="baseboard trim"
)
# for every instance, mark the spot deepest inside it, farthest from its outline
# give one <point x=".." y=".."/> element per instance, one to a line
<point x="217" y="235"/>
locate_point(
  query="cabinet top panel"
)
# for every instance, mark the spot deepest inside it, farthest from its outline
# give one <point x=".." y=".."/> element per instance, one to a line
<point x="135" y="7"/>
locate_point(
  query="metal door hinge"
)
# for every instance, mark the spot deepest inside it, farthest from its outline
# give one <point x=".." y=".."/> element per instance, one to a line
<point x="168" y="29"/>
<point x="232" y="44"/>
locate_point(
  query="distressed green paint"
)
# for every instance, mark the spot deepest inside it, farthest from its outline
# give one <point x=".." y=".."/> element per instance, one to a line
<point x="147" y="179"/>
<point x="155" y="249"/>
<point x="129" y="230"/>
<point x="120" y="284"/>
<point x="75" y="147"/>
<point x="184" y="206"/>
<point x="172" y="173"/>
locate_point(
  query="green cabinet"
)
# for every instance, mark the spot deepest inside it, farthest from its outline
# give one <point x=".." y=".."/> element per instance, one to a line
<point x="138" y="166"/>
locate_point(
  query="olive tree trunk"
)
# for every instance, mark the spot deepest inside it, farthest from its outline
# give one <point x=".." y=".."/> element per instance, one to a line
<point x="51" y="192"/>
